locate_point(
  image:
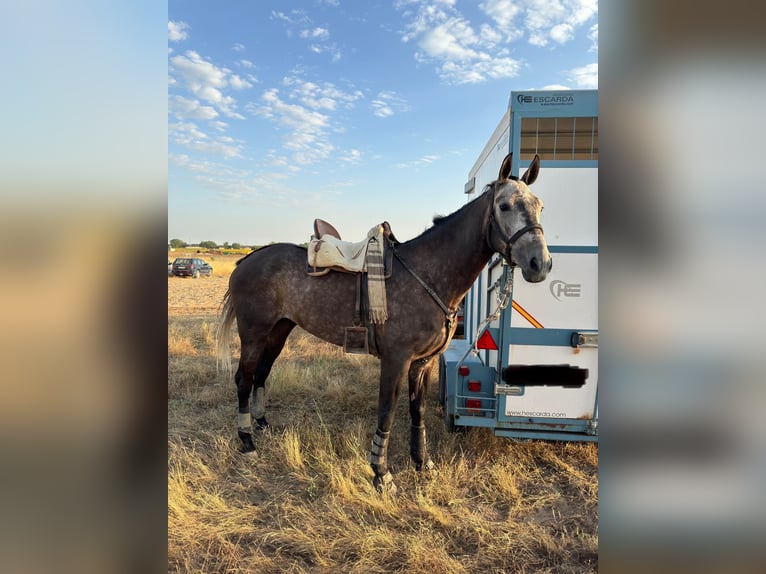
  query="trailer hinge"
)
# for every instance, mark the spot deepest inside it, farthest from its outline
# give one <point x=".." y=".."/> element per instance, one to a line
<point x="501" y="389"/>
<point x="584" y="339"/>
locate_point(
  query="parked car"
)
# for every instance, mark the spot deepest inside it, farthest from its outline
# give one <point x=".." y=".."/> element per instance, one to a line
<point x="191" y="267"/>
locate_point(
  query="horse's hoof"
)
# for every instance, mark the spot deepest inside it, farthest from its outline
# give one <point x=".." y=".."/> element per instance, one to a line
<point x="247" y="442"/>
<point x="261" y="424"/>
<point x="384" y="483"/>
<point x="427" y="466"/>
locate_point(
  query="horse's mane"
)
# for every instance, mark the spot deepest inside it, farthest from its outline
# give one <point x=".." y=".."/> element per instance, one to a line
<point x="241" y="259"/>
<point x="440" y="219"/>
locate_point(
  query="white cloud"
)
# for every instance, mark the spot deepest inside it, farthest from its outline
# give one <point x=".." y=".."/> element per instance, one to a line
<point x="562" y="33"/>
<point x="466" y="52"/>
<point x="315" y="34"/>
<point x="593" y="37"/>
<point x="246" y="64"/>
<point x="207" y="81"/>
<point x="305" y="111"/>
<point x="424" y="161"/>
<point x="387" y="103"/>
<point x="188" y="135"/>
<point x="503" y="12"/>
<point x="185" y="108"/>
<point x="461" y="54"/>
<point x="237" y="47"/>
<point x="556" y="20"/>
<point x="323" y="96"/>
<point x="307" y="130"/>
<point x="177" y="31"/>
<point x="351" y="156"/>
<point x="239" y="83"/>
<point x="585" y="77"/>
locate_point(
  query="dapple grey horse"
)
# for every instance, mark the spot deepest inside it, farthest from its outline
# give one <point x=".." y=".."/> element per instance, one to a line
<point x="270" y="293"/>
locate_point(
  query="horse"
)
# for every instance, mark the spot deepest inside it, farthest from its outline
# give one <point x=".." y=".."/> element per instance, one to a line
<point x="270" y="293"/>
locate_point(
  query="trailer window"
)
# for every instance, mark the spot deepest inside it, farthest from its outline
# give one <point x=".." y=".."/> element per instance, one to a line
<point x="559" y="138"/>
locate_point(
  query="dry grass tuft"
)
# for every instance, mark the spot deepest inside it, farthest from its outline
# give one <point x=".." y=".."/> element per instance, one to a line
<point x="304" y="502"/>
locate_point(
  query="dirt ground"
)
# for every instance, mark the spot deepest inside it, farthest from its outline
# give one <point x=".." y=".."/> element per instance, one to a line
<point x="203" y="295"/>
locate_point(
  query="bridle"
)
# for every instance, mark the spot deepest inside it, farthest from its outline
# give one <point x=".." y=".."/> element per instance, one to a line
<point x="509" y="241"/>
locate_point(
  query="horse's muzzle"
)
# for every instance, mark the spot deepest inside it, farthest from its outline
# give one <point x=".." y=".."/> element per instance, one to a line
<point x="537" y="268"/>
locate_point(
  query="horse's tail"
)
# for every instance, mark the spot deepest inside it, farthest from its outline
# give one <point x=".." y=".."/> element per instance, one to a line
<point x="223" y="335"/>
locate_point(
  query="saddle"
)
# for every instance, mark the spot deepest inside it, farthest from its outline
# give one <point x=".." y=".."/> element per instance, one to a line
<point x="328" y="252"/>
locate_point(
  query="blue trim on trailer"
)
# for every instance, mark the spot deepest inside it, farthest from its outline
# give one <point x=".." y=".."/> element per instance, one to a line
<point x="542" y="428"/>
<point x="542" y="337"/>
<point x="573" y="248"/>
<point x="542" y="435"/>
<point x="559" y="163"/>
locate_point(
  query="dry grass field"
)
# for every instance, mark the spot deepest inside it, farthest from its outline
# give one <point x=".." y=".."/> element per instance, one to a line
<point x="304" y="501"/>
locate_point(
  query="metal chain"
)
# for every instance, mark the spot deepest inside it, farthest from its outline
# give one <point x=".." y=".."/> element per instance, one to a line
<point x="503" y="298"/>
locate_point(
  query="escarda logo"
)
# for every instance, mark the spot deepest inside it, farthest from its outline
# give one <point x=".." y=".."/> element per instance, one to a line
<point x="561" y="289"/>
<point x="546" y="99"/>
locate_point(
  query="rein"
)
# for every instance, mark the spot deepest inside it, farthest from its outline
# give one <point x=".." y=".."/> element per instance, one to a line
<point x="450" y="314"/>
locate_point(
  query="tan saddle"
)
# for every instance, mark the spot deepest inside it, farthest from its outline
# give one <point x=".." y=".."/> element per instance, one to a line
<point x="327" y="251"/>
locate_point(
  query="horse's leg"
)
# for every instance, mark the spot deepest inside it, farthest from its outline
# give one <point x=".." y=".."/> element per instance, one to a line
<point x="418" y="379"/>
<point x="244" y="386"/>
<point x="392" y="374"/>
<point x="253" y="371"/>
<point x="274" y="345"/>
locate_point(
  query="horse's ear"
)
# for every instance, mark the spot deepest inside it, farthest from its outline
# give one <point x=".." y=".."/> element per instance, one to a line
<point x="532" y="172"/>
<point x="505" y="169"/>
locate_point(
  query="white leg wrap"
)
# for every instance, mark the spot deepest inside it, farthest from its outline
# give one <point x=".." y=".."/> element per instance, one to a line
<point x="244" y="422"/>
<point x="259" y="403"/>
<point x="379" y="448"/>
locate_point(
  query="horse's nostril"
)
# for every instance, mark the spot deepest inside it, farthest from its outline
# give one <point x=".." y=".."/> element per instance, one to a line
<point x="550" y="264"/>
<point x="534" y="264"/>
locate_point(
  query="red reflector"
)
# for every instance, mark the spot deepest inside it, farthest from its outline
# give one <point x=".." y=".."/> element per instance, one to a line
<point x="486" y="342"/>
<point x="463" y="371"/>
<point x="473" y="403"/>
<point x="474" y="386"/>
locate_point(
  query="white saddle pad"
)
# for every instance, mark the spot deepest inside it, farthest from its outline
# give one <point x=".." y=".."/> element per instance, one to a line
<point x="330" y="251"/>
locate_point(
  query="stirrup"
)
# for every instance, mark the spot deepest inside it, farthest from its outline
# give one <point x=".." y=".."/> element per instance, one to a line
<point x="355" y="341"/>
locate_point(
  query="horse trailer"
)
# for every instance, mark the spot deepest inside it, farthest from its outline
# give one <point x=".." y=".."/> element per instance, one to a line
<point x="528" y="366"/>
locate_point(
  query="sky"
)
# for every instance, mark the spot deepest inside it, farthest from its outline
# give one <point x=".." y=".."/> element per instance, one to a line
<point x="356" y="112"/>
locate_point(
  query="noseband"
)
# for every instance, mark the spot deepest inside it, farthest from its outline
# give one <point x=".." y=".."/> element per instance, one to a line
<point x="509" y="241"/>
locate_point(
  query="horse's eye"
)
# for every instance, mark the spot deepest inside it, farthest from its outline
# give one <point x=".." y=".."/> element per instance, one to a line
<point x="505" y="207"/>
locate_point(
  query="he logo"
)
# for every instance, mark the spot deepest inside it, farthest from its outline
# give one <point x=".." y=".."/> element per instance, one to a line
<point x="561" y="289"/>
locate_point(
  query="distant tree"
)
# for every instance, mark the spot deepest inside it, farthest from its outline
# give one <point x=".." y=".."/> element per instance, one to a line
<point x="225" y="244"/>
<point x="208" y="244"/>
<point x="236" y="245"/>
<point x="177" y="243"/>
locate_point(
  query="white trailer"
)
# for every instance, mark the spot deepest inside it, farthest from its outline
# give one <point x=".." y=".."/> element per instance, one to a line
<point x="533" y="371"/>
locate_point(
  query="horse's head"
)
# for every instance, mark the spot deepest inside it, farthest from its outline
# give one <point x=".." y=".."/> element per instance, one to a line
<point x="514" y="225"/>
